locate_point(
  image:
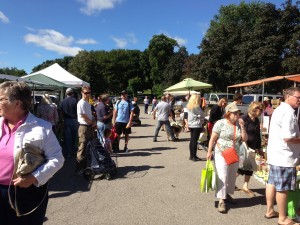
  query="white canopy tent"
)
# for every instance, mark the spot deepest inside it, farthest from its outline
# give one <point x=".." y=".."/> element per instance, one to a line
<point x="56" y="72"/>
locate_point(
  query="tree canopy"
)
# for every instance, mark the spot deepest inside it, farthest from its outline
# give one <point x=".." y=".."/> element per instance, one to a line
<point x="244" y="42"/>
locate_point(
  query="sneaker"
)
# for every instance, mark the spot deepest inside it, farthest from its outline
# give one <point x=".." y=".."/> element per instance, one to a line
<point x="229" y="199"/>
<point x="79" y="173"/>
<point x="154" y="140"/>
<point x="126" y="149"/>
<point x="222" y="207"/>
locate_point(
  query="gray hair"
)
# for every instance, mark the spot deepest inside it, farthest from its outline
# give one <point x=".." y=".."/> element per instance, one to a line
<point x="17" y="91"/>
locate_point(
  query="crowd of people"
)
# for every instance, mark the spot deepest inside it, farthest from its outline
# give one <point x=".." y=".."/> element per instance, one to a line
<point x="84" y="122"/>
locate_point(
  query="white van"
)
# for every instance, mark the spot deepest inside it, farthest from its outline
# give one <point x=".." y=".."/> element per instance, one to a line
<point x="248" y="98"/>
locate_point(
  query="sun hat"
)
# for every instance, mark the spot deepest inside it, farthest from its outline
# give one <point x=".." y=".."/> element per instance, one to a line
<point x="266" y="99"/>
<point x="232" y="108"/>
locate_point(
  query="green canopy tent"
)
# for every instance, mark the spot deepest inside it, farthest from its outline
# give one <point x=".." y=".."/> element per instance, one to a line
<point x="188" y="84"/>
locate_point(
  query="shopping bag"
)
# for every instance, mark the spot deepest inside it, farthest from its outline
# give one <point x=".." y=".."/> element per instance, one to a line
<point x="293" y="206"/>
<point x="214" y="186"/>
<point x="206" y="177"/>
<point x="247" y="158"/>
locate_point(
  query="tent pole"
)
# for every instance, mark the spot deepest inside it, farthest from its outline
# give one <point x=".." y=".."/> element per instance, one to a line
<point x="263" y="91"/>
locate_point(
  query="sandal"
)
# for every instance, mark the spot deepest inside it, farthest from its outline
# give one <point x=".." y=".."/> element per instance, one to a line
<point x="273" y="215"/>
<point x="249" y="193"/>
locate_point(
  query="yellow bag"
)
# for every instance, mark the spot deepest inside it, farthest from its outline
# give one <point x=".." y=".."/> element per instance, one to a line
<point x="207" y="175"/>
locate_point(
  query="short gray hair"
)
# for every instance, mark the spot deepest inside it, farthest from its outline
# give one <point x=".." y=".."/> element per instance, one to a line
<point x="17" y="91"/>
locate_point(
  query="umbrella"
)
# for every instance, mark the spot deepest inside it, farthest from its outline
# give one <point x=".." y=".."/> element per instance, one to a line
<point x="188" y="84"/>
<point x="181" y="92"/>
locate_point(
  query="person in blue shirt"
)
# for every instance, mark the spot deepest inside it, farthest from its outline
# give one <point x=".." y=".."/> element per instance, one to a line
<point x="122" y="118"/>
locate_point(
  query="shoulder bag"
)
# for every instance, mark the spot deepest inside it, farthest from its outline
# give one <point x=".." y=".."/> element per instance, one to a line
<point x="230" y="155"/>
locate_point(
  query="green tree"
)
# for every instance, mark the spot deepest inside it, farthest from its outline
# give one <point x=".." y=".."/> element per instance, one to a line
<point x="173" y="71"/>
<point x="161" y="50"/>
<point x="241" y="44"/>
<point x="289" y="29"/>
<point x="64" y="63"/>
<point x="12" y="71"/>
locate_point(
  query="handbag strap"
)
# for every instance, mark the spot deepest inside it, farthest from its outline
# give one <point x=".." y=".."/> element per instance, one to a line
<point x="234" y="132"/>
<point x="15" y="206"/>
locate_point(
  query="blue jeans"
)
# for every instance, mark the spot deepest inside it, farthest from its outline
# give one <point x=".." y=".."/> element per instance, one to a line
<point x="167" y="126"/>
<point x="100" y="133"/>
<point x="70" y="136"/>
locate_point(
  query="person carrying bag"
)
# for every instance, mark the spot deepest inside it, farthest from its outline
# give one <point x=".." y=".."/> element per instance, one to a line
<point x="226" y="136"/>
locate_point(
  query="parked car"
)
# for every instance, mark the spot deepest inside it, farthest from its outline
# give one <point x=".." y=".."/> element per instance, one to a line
<point x="213" y="98"/>
<point x="248" y="98"/>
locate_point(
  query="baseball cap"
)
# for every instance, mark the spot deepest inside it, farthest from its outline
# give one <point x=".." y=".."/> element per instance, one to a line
<point x="232" y="108"/>
<point x="69" y="91"/>
<point x="124" y="92"/>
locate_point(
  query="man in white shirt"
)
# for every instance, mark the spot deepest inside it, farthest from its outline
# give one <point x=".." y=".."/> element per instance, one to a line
<point x="87" y="125"/>
<point x="146" y="104"/>
<point x="283" y="155"/>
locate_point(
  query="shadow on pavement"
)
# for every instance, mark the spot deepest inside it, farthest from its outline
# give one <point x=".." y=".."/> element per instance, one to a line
<point x="247" y="201"/>
<point x="146" y="125"/>
<point x="135" y="171"/>
<point x="135" y="153"/>
<point x="65" y="182"/>
<point x="149" y="136"/>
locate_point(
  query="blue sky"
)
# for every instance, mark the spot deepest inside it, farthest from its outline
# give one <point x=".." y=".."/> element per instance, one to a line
<point x="33" y="31"/>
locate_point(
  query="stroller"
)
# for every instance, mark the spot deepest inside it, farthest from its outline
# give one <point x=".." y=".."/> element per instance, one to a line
<point x="99" y="161"/>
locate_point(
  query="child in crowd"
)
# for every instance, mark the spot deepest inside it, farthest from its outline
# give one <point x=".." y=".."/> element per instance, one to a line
<point x="107" y="141"/>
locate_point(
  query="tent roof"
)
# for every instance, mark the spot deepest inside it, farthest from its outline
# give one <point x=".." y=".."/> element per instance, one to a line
<point x="256" y="82"/>
<point x="57" y="73"/>
<point x="46" y="80"/>
<point x="295" y="77"/>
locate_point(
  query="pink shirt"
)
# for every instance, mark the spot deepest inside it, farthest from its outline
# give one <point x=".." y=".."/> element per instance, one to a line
<point x="7" y="152"/>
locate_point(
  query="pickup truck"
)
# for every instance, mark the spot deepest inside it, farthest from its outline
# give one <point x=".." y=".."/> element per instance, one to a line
<point x="213" y="98"/>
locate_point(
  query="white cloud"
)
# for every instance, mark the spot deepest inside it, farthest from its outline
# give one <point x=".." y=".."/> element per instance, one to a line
<point x="120" y="42"/>
<point x="180" y="41"/>
<point x="91" y="7"/>
<point x="3" y="18"/>
<point x="131" y="38"/>
<point x="53" y="41"/>
<point x="86" y="41"/>
<point x="123" y="42"/>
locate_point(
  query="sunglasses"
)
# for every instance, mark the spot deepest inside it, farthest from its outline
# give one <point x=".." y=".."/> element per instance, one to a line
<point x="86" y="93"/>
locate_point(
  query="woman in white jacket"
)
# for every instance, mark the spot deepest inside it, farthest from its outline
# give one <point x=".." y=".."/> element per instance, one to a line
<point x="18" y="127"/>
<point x="195" y="122"/>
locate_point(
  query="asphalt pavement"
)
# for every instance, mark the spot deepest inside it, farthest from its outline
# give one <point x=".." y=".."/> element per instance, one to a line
<point x="156" y="184"/>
